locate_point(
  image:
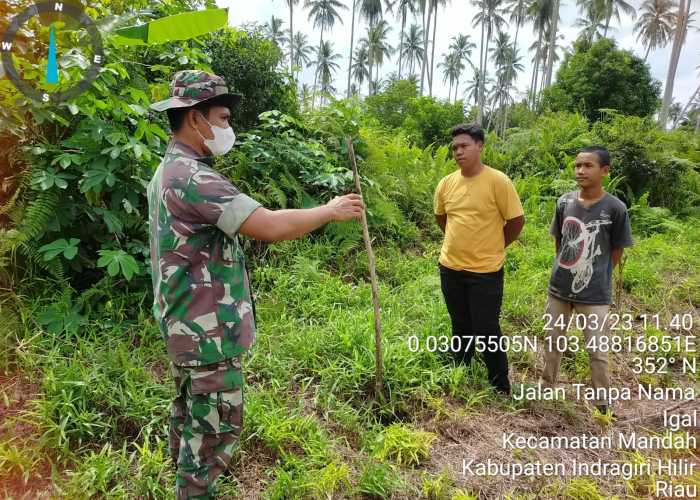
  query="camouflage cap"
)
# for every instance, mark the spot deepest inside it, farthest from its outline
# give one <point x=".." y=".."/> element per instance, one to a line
<point x="190" y="87"/>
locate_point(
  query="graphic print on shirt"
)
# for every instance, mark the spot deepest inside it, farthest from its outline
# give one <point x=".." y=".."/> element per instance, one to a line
<point x="578" y="249"/>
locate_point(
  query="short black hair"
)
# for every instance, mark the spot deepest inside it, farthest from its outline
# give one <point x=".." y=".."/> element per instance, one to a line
<point x="602" y="153"/>
<point x="176" y="116"/>
<point x="473" y="130"/>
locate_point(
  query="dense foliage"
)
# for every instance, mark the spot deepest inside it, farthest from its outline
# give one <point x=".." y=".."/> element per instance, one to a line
<point x="248" y="62"/>
<point x="425" y="120"/>
<point x="598" y="76"/>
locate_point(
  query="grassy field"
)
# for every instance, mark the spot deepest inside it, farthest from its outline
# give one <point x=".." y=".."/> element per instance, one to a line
<point x="86" y="414"/>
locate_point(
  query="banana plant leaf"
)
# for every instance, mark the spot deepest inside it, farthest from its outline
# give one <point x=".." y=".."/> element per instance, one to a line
<point x="167" y="29"/>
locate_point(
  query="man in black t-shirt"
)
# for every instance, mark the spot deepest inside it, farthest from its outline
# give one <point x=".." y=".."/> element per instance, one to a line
<point x="591" y="228"/>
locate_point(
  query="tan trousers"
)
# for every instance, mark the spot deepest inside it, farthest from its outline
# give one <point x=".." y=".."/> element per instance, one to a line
<point x="591" y="318"/>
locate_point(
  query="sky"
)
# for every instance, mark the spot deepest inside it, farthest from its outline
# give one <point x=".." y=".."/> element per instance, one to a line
<point x="456" y="18"/>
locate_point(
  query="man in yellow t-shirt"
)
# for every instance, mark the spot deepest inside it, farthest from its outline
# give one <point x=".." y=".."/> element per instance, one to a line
<point x="478" y="209"/>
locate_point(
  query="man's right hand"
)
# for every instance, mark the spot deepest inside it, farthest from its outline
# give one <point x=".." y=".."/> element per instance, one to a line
<point x="346" y="207"/>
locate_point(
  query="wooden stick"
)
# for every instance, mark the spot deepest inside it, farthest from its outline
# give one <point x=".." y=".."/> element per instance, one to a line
<point x="378" y="382"/>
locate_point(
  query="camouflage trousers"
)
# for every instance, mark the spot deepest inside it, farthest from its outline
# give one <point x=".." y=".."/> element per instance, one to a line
<point x="206" y="419"/>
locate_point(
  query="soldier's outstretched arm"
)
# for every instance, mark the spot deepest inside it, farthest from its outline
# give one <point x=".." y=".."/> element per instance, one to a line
<point x="277" y="225"/>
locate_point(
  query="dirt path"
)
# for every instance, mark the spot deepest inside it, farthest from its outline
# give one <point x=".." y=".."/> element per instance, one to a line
<point x="28" y="475"/>
<point x="480" y="438"/>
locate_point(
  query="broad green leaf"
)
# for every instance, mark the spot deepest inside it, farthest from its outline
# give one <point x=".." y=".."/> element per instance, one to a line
<point x="113" y="268"/>
<point x="68" y="248"/>
<point x="182" y="26"/>
<point x="116" y="260"/>
<point x="70" y="252"/>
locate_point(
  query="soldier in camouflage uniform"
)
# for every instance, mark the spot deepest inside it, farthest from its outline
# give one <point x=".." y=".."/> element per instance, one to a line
<point x="202" y="298"/>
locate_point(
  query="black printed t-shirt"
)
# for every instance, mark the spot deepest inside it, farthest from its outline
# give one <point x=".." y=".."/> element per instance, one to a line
<point x="583" y="265"/>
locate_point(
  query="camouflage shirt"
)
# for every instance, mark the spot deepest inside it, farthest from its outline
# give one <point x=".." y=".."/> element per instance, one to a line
<point x="201" y="291"/>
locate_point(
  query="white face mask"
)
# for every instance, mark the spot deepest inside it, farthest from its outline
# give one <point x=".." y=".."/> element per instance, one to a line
<point x="223" y="140"/>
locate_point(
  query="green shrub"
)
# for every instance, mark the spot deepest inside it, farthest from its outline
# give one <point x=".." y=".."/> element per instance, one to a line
<point x="250" y="64"/>
<point x="429" y="120"/>
<point x="596" y="76"/>
<point x="636" y="154"/>
<point x="403" y="444"/>
<point x="391" y="106"/>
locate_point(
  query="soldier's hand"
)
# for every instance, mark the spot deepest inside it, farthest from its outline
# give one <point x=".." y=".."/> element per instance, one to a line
<point x="346" y="207"/>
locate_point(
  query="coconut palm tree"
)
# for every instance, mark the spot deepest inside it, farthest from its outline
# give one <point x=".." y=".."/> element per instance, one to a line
<point x="518" y="15"/>
<point x="360" y="65"/>
<point x="473" y="90"/>
<point x="291" y="4"/>
<point x="501" y="55"/>
<point x="541" y="14"/>
<point x="592" y="25"/>
<point x="546" y="56"/>
<point x="507" y="73"/>
<point x="655" y="25"/>
<point x="326" y="66"/>
<point x="403" y="9"/>
<point x="274" y="31"/>
<point x="413" y="47"/>
<point x="612" y="8"/>
<point x="300" y="50"/>
<point x="500" y="50"/>
<point x="352" y="41"/>
<point x="324" y="14"/>
<point x="436" y="5"/>
<point x="427" y="6"/>
<point x="372" y="10"/>
<point x="377" y="46"/>
<point x="452" y="66"/>
<point x="551" y="43"/>
<point x="605" y="10"/>
<point x="463" y="47"/>
<point x="490" y="19"/>
<point x="680" y="32"/>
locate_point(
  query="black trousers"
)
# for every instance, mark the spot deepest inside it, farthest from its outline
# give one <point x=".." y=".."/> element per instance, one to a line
<point x="474" y="303"/>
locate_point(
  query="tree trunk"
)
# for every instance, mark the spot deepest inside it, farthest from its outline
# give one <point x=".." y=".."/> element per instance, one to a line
<point x="545" y="62"/>
<point x="646" y="54"/>
<point x="505" y="120"/>
<point x="369" y="66"/>
<point x="480" y="112"/>
<point x="291" y="37"/>
<point x="352" y="39"/>
<point x="313" y="90"/>
<point x="552" y="44"/>
<point x="535" y="69"/>
<point x="482" y="93"/>
<point x="426" y="34"/>
<point x="678" y="39"/>
<point x="432" y="53"/>
<point x="403" y="28"/>
<point x="607" y="24"/>
<point x="697" y="121"/>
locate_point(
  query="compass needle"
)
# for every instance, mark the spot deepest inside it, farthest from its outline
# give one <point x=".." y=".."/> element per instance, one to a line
<point x="46" y="11"/>
<point x="52" y="66"/>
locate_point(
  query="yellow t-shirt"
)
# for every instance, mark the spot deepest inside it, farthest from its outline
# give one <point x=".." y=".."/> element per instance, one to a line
<point x="477" y="208"/>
